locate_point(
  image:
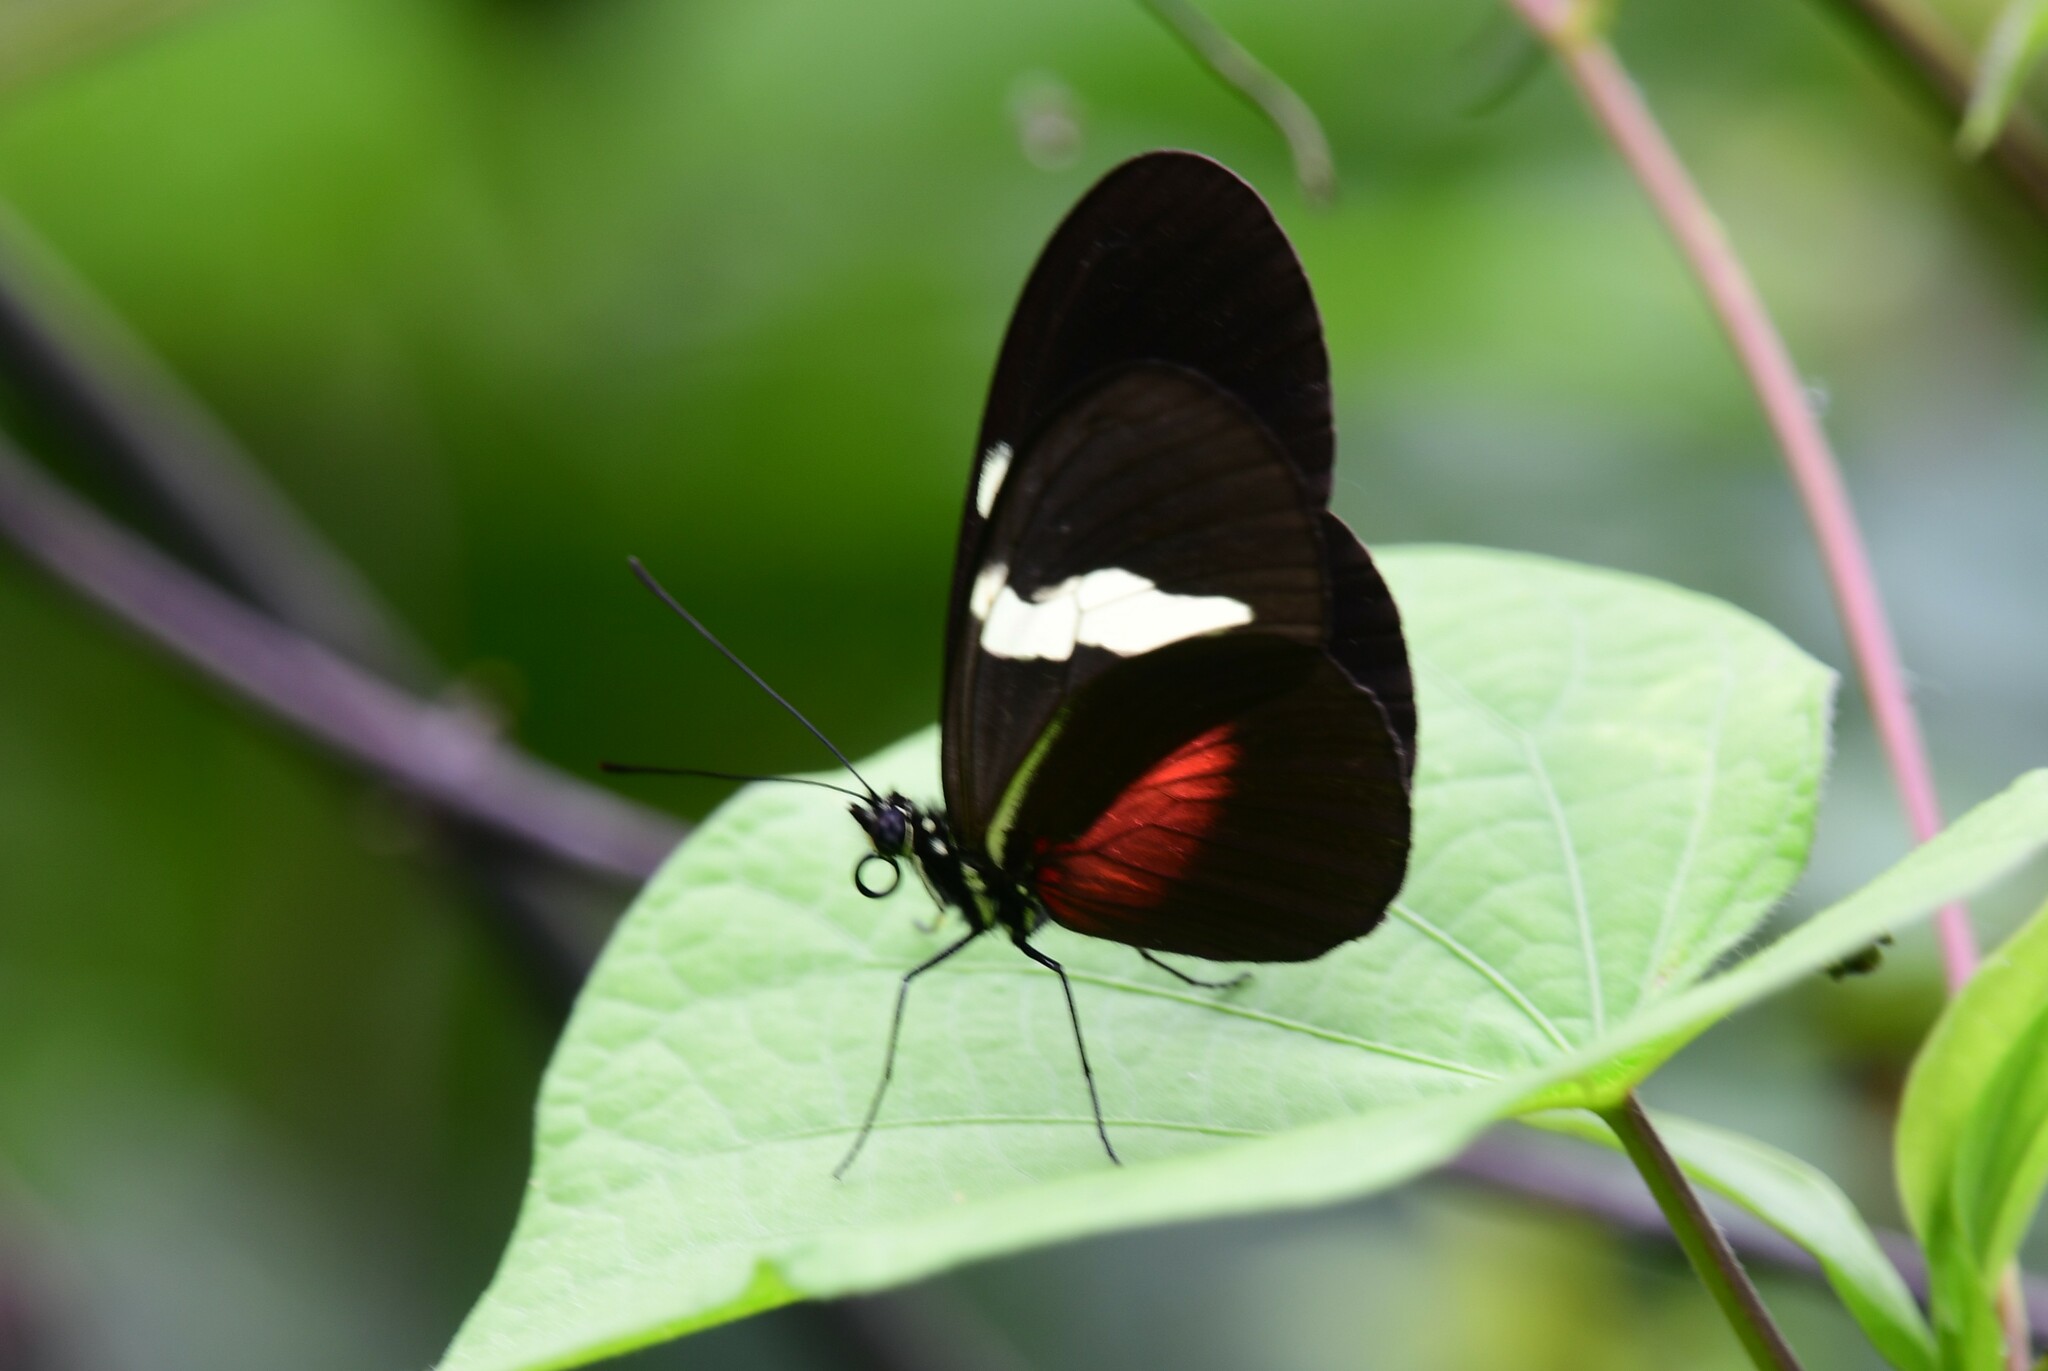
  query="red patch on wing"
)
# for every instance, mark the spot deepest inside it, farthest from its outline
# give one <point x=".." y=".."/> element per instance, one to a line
<point x="1145" y="841"/>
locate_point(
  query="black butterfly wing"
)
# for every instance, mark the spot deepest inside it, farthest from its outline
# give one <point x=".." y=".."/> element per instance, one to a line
<point x="1236" y="798"/>
<point x="1365" y="633"/>
<point x="1153" y="508"/>
<point x="1172" y="258"/>
<point x="1218" y="763"/>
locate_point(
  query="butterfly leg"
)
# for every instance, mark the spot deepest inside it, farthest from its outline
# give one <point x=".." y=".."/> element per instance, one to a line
<point x="867" y="1125"/>
<point x="1239" y="979"/>
<point x="1073" y="1017"/>
<point x="924" y="879"/>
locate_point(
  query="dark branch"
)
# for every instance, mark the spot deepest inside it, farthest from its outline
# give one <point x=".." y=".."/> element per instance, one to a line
<point x="443" y="756"/>
<point x="125" y="411"/>
<point x="130" y="416"/>
<point x="511" y="822"/>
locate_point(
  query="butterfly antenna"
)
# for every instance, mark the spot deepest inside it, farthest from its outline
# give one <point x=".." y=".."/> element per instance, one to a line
<point x="647" y="579"/>
<point x="634" y="769"/>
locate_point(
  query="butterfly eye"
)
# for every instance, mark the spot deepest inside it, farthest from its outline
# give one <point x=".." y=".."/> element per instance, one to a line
<point x="876" y="892"/>
<point x="886" y="825"/>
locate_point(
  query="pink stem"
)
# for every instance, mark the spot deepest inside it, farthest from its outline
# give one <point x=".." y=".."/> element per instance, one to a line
<point x="1616" y="103"/>
<point x="1568" y="26"/>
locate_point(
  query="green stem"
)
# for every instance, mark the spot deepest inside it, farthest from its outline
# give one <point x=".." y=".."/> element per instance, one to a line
<point x="1231" y="63"/>
<point x="1704" y="1243"/>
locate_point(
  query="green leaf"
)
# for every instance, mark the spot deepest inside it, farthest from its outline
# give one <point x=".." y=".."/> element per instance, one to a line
<point x="2018" y="39"/>
<point x="1803" y="1204"/>
<point x="1617" y="781"/>
<point x="1973" y="1136"/>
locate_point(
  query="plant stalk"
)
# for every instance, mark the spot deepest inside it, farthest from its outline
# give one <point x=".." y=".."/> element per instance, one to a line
<point x="1315" y="170"/>
<point x="1704" y="1243"/>
<point x="436" y="752"/>
<point x="1570" y="28"/>
<point x="1618" y="106"/>
<point x="79" y="363"/>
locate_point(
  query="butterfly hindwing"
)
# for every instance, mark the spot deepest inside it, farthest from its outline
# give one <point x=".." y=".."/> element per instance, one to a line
<point x="1233" y="798"/>
<point x="1365" y="633"/>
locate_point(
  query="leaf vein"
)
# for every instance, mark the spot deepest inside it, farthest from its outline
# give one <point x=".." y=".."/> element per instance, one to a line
<point x="1485" y="968"/>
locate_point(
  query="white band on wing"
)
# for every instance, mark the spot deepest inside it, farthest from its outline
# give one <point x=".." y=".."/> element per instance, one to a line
<point x="1114" y="609"/>
<point x="995" y="465"/>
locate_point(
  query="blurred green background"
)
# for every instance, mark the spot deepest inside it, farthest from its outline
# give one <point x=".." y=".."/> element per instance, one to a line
<point x="501" y="291"/>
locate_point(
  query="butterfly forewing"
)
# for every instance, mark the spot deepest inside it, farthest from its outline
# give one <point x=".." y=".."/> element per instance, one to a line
<point x="1152" y="509"/>
<point x="1170" y="258"/>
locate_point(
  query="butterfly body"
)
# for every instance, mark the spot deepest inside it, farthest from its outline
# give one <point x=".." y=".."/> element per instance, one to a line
<point x="961" y="878"/>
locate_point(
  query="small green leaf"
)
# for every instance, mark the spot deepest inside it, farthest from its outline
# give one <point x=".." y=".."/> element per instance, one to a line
<point x="1803" y="1204"/>
<point x="1973" y="1135"/>
<point x="1618" y="780"/>
<point x="2017" y="41"/>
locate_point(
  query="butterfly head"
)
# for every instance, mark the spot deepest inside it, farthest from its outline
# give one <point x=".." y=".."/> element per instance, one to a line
<point x="888" y="824"/>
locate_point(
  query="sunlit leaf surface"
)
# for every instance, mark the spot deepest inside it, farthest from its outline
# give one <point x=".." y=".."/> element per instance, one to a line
<point x="1618" y="779"/>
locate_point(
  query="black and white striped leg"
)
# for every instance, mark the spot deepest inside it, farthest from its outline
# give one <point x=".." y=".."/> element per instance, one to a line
<point x="1239" y="979"/>
<point x="1074" y="1017"/>
<point x="867" y="1125"/>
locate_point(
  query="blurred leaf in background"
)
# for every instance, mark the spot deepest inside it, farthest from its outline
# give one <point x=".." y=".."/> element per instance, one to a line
<point x="46" y="37"/>
<point x="2012" y="53"/>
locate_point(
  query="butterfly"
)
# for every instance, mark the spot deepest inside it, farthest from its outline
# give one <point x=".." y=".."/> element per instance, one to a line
<point x="1178" y="712"/>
